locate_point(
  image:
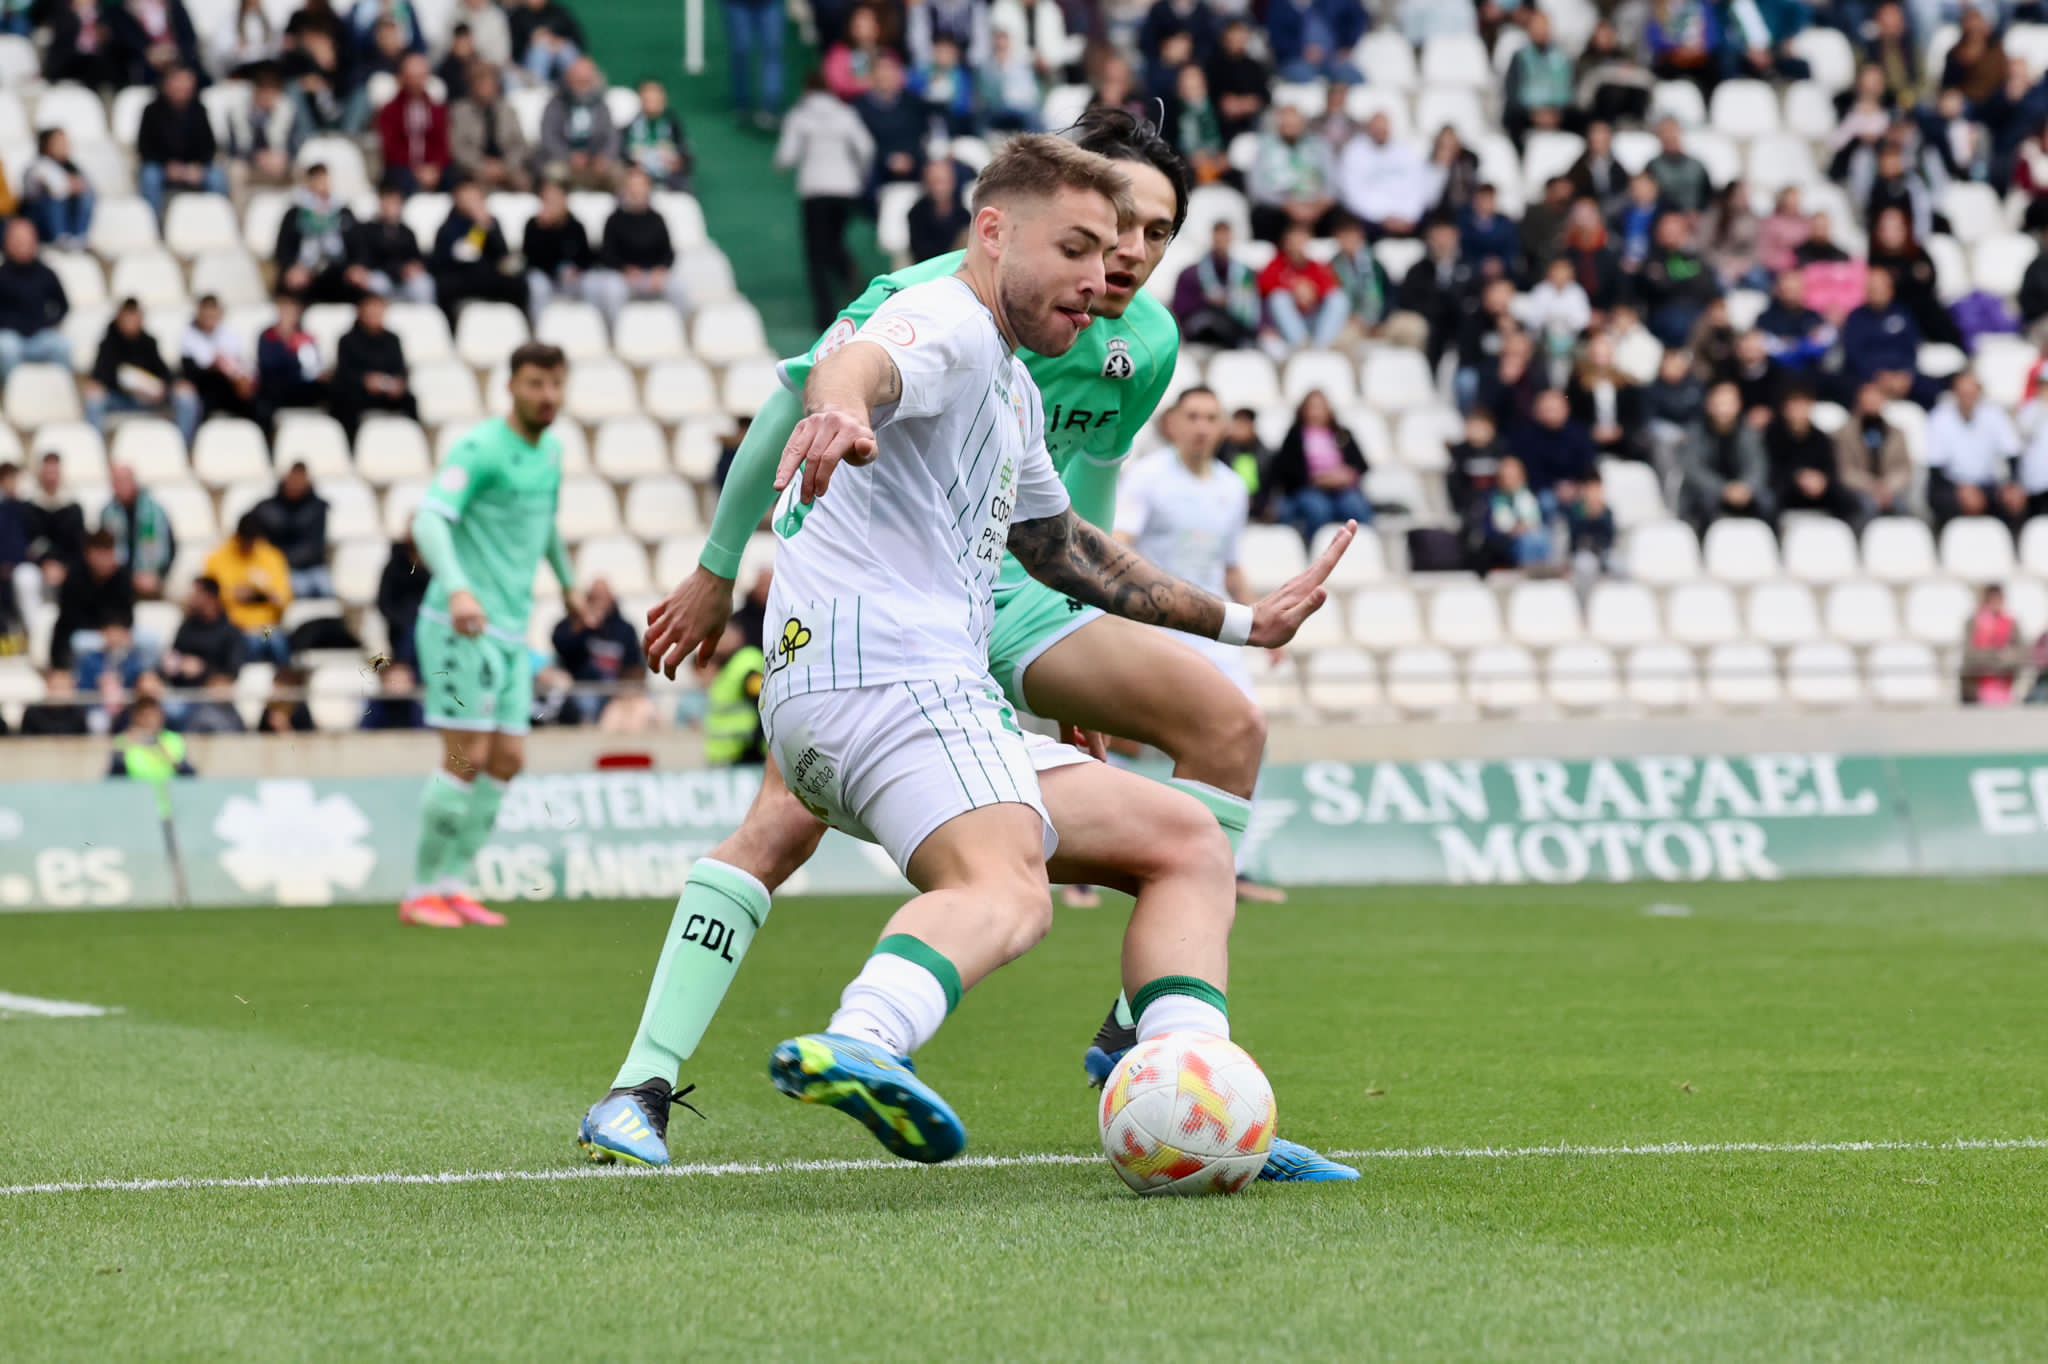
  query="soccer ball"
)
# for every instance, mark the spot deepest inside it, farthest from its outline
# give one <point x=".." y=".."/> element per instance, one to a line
<point x="1187" y="1113"/>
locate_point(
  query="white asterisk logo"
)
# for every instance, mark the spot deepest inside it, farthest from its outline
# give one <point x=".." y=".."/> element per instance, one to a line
<point x="294" y="843"/>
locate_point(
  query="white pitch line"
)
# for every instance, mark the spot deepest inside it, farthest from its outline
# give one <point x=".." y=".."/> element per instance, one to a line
<point x="50" y="1008"/>
<point x="713" y="1170"/>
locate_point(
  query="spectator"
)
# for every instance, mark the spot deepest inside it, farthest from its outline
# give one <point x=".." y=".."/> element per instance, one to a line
<point x="830" y="150"/>
<point x="1510" y="384"/>
<point x="1894" y="250"/>
<point x="413" y="130"/>
<point x="1512" y="530"/>
<point x="96" y="616"/>
<point x="556" y="249"/>
<point x="1588" y="251"/>
<point x="1712" y="342"/>
<point x="1730" y="237"/>
<point x="207" y="648"/>
<point x="1216" y="300"/>
<point x="369" y="370"/>
<point x="1805" y="475"/>
<point x="897" y="120"/>
<point x="1724" y="471"/>
<point x="1385" y="182"/>
<point x="637" y="256"/>
<point x="59" y="714"/>
<point x="1238" y="80"/>
<point x="1635" y="222"/>
<point x="129" y="375"/>
<point x="489" y="30"/>
<point x="1368" y="295"/>
<point x="148" y="751"/>
<point x="313" y="243"/>
<point x="285" y="711"/>
<point x="295" y="520"/>
<point x="1589" y="523"/>
<point x="1293" y="180"/>
<point x="2033" y="296"/>
<point x="1539" y="86"/>
<point x="944" y="90"/>
<point x="323" y="100"/>
<point x="1168" y="19"/>
<point x="485" y="142"/>
<point x="1596" y="175"/>
<point x="55" y="193"/>
<point x="1487" y="239"/>
<point x="1556" y="451"/>
<point x="579" y="143"/>
<point x="1312" y="39"/>
<point x="1682" y="181"/>
<point x="32" y="304"/>
<point x="1613" y="84"/>
<point x="246" y="44"/>
<point x="264" y="135"/>
<point x="144" y="544"/>
<point x="1606" y="401"/>
<point x="56" y="525"/>
<point x="848" y="70"/>
<point x="175" y="144"/>
<point x="940" y="218"/>
<point x="1544" y="223"/>
<point x="215" y="360"/>
<point x="1864" y="115"/>
<point x="20" y="581"/>
<point x="546" y="39"/>
<point x="289" y="372"/>
<point x="1757" y="41"/>
<point x="1992" y="655"/>
<point x="456" y="67"/>
<point x="1872" y="463"/>
<point x="1475" y="465"/>
<point x="1885" y="181"/>
<point x="1317" y="474"/>
<point x="1881" y="342"/>
<point x="753" y="33"/>
<point x="1890" y="49"/>
<point x="369" y="18"/>
<point x="1819" y="246"/>
<point x="1441" y="288"/>
<point x="1977" y="65"/>
<point x="396" y="704"/>
<point x="82" y="46"/>
<point x="1971" y="445"/>
<point x="1779" y="237"/>
<point x="471" y="261"/>
<point x="1675" y="285"/>
<point x="597" y="647"/>
<point x="256" y="583"/>
<point x="1304" y="306"/>
<point x="1797" y="337"/>
<point x="1195" y="129"/>
<point x="400" y="590"/>
<point x="1247" y="457"/>
<point x="654" y="140"/>
<point x="384" y="254"/>
<point x="1008" y="91"/>
<point x="157" y="39"/>
<point x="1685" y="40"/>
<point x="1761" y="379"/>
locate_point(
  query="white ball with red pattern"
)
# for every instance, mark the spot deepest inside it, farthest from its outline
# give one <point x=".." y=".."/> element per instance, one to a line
<point x="1187" y="1113"/>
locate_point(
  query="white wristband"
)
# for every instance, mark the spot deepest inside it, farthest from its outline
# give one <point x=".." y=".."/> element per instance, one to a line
<point x="1237" y="623"/>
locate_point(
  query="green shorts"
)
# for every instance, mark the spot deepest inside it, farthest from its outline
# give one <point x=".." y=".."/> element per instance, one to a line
<point x="483" y="684"/>
<point x="1029" y="620"/>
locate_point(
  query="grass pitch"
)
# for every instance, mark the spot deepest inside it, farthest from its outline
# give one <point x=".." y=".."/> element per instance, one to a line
<point x="331" y="1042"/>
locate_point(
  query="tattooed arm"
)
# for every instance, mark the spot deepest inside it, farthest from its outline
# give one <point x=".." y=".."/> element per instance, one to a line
<point x="1069" y="555"/>
<point x="840" y="398"/>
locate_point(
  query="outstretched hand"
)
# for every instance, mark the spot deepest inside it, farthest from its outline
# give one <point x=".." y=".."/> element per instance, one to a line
<point x="1277" y="616"/>
<point x="691" y="619"/>
<point x="818" y="445"/>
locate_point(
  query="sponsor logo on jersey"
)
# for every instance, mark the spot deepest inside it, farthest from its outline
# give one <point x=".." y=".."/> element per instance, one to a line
<point x="1058" y="418"/>
<point x="781" y="652"/>
<point x="1118" y="364"/>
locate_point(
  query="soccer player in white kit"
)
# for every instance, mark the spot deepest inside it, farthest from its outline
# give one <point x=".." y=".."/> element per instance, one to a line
<point x="927" y="433"/>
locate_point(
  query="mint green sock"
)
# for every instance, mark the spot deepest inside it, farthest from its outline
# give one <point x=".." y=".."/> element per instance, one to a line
<point x="444" y="809"/>
<point x="486" y="794"/>
<point x="1234" y="813"/>
<point x="720" y="910"/>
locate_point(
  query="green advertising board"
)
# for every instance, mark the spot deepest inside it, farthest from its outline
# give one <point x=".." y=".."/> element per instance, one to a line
<point x="624" y="835"/>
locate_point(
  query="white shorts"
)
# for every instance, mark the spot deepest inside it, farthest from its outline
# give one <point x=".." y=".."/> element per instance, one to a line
<point x="890" y="764"/>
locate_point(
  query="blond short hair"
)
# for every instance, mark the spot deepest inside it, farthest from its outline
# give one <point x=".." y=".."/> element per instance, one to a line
<point x="1038" y="165"/>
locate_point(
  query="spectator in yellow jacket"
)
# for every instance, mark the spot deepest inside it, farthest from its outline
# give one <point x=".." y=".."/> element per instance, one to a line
<point x="256" y="583"/>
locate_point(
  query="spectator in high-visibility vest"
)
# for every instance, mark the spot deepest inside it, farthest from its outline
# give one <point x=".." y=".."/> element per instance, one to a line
<point x="149" y="752"/>
<point x="732" y="684"/>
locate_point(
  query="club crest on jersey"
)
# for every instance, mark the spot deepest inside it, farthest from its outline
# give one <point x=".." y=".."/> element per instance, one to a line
<point x="1118" y="363"/>
<point x="842" y="332"/>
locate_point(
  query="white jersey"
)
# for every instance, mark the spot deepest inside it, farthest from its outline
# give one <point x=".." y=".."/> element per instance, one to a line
<point x="1190" y="525"/>
<point x="889" y="576"/>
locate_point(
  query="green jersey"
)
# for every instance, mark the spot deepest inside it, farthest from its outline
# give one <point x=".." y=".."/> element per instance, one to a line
<point x="498" y="495"/>
<point x="1098" y="398"/>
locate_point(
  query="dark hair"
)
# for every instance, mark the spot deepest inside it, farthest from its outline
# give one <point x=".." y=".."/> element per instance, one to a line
<point x="8" y="468"/>
<point x="43" y="139"/>
<point x="210" y="586"/>
<point x="1121" y="136"/>
<point x="540" y="355"/>
<point x="250" y="527"/>
<point x="208" y="301"/>
<point x="317" y="168"/>
<point x="1245" y="414"/>
<point x="100" y="539"/>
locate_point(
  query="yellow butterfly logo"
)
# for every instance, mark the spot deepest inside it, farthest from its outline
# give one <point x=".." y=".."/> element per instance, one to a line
<point x="795" y="634"/>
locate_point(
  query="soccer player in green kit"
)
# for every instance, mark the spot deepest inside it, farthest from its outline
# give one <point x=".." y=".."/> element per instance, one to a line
<point x="1053" y="656"/>
<point x="486" y="523"/>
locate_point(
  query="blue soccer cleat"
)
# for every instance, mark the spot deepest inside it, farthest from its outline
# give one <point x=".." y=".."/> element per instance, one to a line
<point x="630" y="1126"/>
<point x="1289" y="1162"/>
<point x="866" y="1082"/>
<point x="1100" y="1064"/>
<point x="1112" y="1040"/>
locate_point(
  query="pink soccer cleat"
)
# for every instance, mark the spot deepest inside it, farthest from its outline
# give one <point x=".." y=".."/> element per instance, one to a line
<point x="429" y="911"/>
<point x="467" y="909"/>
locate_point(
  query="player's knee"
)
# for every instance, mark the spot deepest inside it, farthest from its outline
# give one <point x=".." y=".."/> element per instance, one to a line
<point x="1025" y="904"/>
<point x="1239" y="737"/>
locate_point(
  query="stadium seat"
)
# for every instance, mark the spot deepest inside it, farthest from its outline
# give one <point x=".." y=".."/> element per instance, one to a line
<point x="122" y="225"/>
<point x="1327" y="370"/>
<point x="344" y="162"/>
<point x="351" y="508"/>
<point x="485" y="334"/>
<point x="1545" y="153"/>
<point x="2033" y="548"/>
<point x="599" y="389"/>
<point x="315" y="438"/>
<point x="628" y="448"/>
<point x="1680" y="100"/>
<point x="1740" y="551"/>
<point x="1619" y="614"/>
<point x="1822" y="675"/>
<point x="1976" y="549"/>
<point x="723" y="332"/>
<point x="678" y="390"/>
<point x="229" y="449"/>
<point x="1742" y="676"/>
<point x="1862" y="613"/>
<point x="893" y="203"/>
<point x="684" y="217"/>
<point x="390" y="448"/>
<point x="1243" y="378"/>
<point x="1663" y="552"/>
<point x="1544" y="614"/>
<point x="2003" y="363"/>
<point x="150" y="276"/>
<point x="190" y="510"/>
<point x="1937" y="610"/>
<point x="1363" y="563"/>
<point x="153" y="448"/>
<point x="578" y="328"/>
<point x="1398" y="255"/>
<point x="1464" y="617"/>
<point x="618" y="559"/>
<point x="1744" y="109"/>
<point x="1998" y="263"/>
<point x="1904" y="673"/>
<point x="698" y="447"/>
<point x="675" y="557"/>
<point x="1423" y="679"/>
<point x="513" y="212"/>
<point x="1455" y="59"/>
<point x="446" y="391"/>
<point x="748" y="385"/>
<point x="1397" y="379"/>
<point x="1898" y="549"/>
<point x="1951" y="265"/>
<point x="1939" y="360"/>
<point x="1972" y="209"/>
<point x="1702" y="613"/>
<point x="1387" y="60"/>
<point x="661" y="505"/>
<point x="358" y="569"/>
<point x="239" y="499"/>
<point x="1782" y="614"/>
<point x="2027" y="600"/>
<point x="1830" y="57"/>
<point x="1385" y="617"/>
<point x="1424" y="437"/>
<point x="1582" y="677"/>
<point x="1269" y="556"/>
<point x="75" y="109"/>
<point x="1454" y="106"/>
<point x="647" y="333"/>
<point x="197" y="223"/>
<point x="1820" y="550"/>
<point x="38" y="394"/>
<point x="1633" y="493"/>
<point x="707" y="276"/>
<point x="1503" y="678"/>
<point x="422" y="329"/>
<point x="401" y="500"/>
<point x="84" y="327"/>
<point x="79" y="274"/>
<point x="589" y="508"/>
<point x="1779" y="159"/>
<point x="1638" y="355"/>
<point x="230" y="275"/>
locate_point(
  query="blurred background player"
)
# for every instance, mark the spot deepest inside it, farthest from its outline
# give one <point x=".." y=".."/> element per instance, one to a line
<point x="487" y="522"/>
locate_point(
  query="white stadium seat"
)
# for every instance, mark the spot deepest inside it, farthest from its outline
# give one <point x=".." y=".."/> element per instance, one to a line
<point x="628" y="448"/>
<point x="1327" y="370"/>
<point x="1977" y="549"/>
<point x="599" y="389"/>
<point x="1739" y="550"/>
<point x="1663" y="552"/>
<point x="401" y="500"/>
<point x="150" y="276"/>
<point x="1243" y="378"/>
<point x="1904" y="673"/>
<point x="316" y="439"/>
<point x="1385" y="617"/>
<point x="351" y="508"/>
<point x="1343" y="681"/>
<point x="578" y="328"/>
<point x="589" y="508"/>
<point x="1822" y="675"/>
<point x="1936" y="611"/>
<point x="83" y="452"/>
<point x="1424" y="437"/>
<point x="684" y="217"/>
<point x="1662" y="677"/>
<point x="1702" y="613"/>
<point x="1502" y="677"/>
<point x="1269" y="556"/>
<point x="1820" y="550"/>
<point x="1423" y="679"/>
<point x="1998" y="263"/>
<point x="1744" y="109"/>
<point x="1742" y="676"/>
<point x="359" y="570"/>
<point x="486" y="333"/>
<point x="197" y="223"/>
<point x="1623" y="613"/>
<point x="1397" y="379"/>
<point x="446" y="391"/>
<point x="1782" y="614"/>
<point x="1862" y="613"/>
<point x="229" y="449"/>
<point x="1898" y="549"/>
<point x="648" y="332"/>
<point x="659" y="506"/>
<point x="1464" y="617"/>
<point x="748" y="386"/>
<point x="190" y="510"/>
<point x="122" y="225"/>
<point x="1582" y="677"/>
<point x="1972" y="210"/>
<point x="1455" y="59"/>
<point x="698" y="447"/>
<point x="239" y="499"/>
<point x="390" y="448"/>
<point x="677" y="390"/>
<point x="723" y="332"/>
<point x="154" y="449"/>
<point x="1828" y="53"/>
<point x="37" y="394"/>
<point x="79" y="274"/>
<point x="1544" y="614"/>
<point x="620" y="560"/>
<point x="1365" y="562"/>
<point x="2033" y="548"/>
